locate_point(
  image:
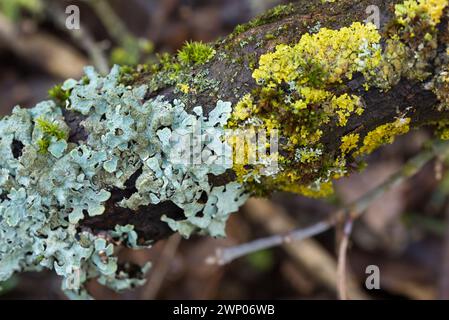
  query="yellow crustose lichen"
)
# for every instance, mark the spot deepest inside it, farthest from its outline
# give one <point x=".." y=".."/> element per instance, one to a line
<point x="319" y="191"/>
<point x="344" y="106"/>
<point x="325" y="57"/>
<point x="244" y="107"/>
<point x="184" y="88"/>
<point x="294" y="97"/>
<point x="297" y="96"/>
<point x="444" y="133"/>
<point x="411" y="9"/>
<point x="413" y="43"/>
<point x="349" y="142"/>
<point x="384" y="134"/>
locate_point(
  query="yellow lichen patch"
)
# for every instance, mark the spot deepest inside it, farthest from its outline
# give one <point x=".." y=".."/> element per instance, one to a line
<point x="271" y="124"/>
<point x="349" y="142"/>
<point x="243" y="146"/>
<point x="294" y="97"/>
<point x="411" y="9"/>
<point x="444" y="133"/>
<point x="442" y="129"/>
<point x="244" y="108"/>
<point x="304" y="136"/>
<point x="312" y="95"/>
<point x="412" y="45"/>
<point x="314" y="190"/>
<point x="301" y="91"/>
<point x="325" y="57"/>
<point x="277" y="66"/>
<point x="383" y="134"/>
<point x="309" y="96"/>
<point x="184" y="88"/>
<point x="344" y="106"/>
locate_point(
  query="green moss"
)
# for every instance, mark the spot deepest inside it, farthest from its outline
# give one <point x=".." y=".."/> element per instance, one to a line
<point x="174" y="71"/>
<point x="51" y="129"/>
<point x="272" y="15"/>
<point x="43" y="144"/>
<point x="52" y="137"/>
<point x="195" y="53"/>
<point x="59" y="95"/>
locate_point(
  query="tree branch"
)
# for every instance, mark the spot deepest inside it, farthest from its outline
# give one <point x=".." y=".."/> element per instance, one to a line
<point x="95" y="169"/>
<point x="231" y="72"/>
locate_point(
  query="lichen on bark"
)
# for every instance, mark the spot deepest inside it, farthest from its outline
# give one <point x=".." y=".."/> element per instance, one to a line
<point x="94" y="168"/>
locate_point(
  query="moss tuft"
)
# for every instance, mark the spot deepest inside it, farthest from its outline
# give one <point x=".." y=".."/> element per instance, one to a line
<point x="43" y="145"/>
<point x="51" y="132"/>
<point x="274" y="14"/>
<point x="51" y="129"/>
<point x="195" y="53"/>
<point x="59" y="95"/>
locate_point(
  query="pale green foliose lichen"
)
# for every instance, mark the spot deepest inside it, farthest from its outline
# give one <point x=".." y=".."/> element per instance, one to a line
<point x="45" y="195"/>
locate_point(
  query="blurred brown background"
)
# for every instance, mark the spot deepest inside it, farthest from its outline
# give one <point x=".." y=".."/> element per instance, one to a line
<point x="403" y="233"/>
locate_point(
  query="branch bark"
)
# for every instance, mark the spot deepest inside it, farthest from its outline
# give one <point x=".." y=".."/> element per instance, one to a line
<point x="234" y="78"/>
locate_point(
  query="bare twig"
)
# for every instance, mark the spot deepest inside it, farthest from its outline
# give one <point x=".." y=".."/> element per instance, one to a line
<point x="308" y="255"/>
<point x="159" y="272"/>
<point x="341" y="269"/>
<point x="226" y="255"/>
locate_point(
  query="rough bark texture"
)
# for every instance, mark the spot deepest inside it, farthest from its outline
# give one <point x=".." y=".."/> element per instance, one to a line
<point x="234" y="78"/>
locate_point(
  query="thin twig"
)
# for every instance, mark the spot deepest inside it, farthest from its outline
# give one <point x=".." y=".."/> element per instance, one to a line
<point x="226" y="255"/>
<point x="159" y="272"/>
<point x="341" y="268"/>
<point x="309" y="255"/>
